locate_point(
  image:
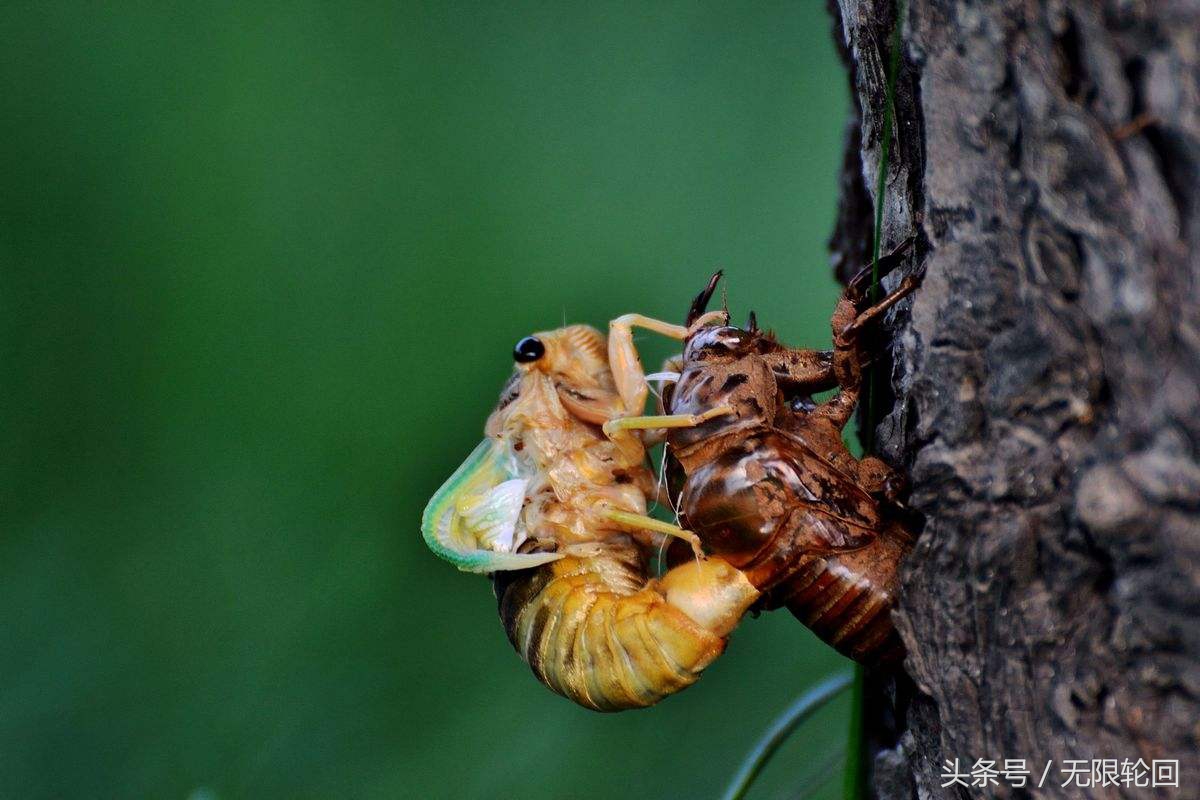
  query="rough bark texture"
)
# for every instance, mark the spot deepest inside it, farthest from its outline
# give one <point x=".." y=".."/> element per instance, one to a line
<point x="1045" y="379"/>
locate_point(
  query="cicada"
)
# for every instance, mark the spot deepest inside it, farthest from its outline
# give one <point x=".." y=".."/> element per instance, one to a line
<point x="555" y="509"/>
<point x="761" y="472"/>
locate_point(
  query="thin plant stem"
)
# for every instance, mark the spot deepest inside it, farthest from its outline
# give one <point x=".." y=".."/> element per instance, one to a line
<point x="817" y="777"/>
<point x="868" y="433"/>
<point x="855" y="783"/>
<point x="808" y="704"/>
<point x="856" y="759"/>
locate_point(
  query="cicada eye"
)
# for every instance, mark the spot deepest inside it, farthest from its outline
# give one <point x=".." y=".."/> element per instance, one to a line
<point x="528" y="349"/>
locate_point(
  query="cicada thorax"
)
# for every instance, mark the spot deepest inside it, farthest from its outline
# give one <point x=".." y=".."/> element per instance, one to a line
<point x="575" y="472"/>
<point x="775" y="493"/>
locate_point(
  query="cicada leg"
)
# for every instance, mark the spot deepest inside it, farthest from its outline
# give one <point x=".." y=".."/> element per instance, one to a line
<point x="664" y="421"/>
<point x="801" y="370"/>
<point x="667" y="376"/>
<point x="615" y="428"/>
<point x="641" y="522"/>
<point x="670" y="371"/>
<point x="849" y="357"/>
<point x="863" y="319"/>
<point x="623" y="357"/>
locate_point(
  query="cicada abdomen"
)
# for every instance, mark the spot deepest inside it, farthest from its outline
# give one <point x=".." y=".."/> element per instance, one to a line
<point x="847" y="598"/>
<point x="804" y="535"/>
<point x="595" y="630"/>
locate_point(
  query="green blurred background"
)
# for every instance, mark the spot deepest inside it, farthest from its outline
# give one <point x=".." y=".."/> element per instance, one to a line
<point x="262" y="269"/>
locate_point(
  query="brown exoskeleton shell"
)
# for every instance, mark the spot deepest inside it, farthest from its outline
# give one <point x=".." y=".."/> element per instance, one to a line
<point x="772" y="488"/>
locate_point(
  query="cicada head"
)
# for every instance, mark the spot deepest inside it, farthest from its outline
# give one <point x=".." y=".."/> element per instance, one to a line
<point x="574" y="361"/>
<point x="722" y="342"/>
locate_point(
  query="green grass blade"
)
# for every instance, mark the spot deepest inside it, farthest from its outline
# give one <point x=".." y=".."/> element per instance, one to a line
<point x="856" y="758"/>
<point x="868" y="433"/>
<point x="808" y="704"/>
<point x="855" y="785"/>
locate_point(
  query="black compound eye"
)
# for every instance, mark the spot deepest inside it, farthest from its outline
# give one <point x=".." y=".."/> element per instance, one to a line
<point x="528" y="349"/>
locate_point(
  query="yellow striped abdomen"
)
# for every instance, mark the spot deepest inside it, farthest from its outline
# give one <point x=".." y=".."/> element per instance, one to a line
<point x="595" y="630"/>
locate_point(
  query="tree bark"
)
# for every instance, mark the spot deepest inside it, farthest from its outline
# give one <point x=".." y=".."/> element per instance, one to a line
<point x="1043" y="387"/>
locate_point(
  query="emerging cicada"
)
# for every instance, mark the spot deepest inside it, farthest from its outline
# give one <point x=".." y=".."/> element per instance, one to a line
<point x="553" y="502"/>
<point x="769" y="484"/>
<point x="555" y="509"/>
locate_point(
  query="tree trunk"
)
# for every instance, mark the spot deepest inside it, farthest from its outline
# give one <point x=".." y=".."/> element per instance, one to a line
<point x="1043" y="389"/>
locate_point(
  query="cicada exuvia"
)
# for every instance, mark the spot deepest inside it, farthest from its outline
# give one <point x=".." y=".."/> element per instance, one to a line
<point x="766" y="481"/>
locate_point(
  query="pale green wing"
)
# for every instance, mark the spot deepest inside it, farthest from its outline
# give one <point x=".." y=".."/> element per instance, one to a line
<point x="492" y="518"/>
<point x="472" y="521"/>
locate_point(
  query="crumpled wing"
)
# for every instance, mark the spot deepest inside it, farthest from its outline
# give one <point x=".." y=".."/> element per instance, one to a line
<point x="472" y="520"/>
